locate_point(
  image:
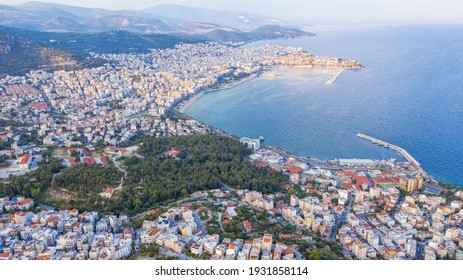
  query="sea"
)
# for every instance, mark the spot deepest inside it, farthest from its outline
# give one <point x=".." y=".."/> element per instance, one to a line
<point x="409" y="93"/>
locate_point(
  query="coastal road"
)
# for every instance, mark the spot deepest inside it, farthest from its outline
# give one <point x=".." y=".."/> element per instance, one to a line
<point x="285" y="154"/>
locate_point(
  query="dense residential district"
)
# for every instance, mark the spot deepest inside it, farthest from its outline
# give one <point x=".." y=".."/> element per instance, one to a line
<point x="335" y="209"/>
<point x="105" y="104"/>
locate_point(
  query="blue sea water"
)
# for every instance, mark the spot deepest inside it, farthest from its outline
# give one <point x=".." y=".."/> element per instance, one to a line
<point x="410" y="93"/>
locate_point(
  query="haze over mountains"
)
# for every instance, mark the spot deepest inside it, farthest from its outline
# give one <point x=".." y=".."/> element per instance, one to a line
<point x="161" y="19"/>
<point x="32" y="29"/>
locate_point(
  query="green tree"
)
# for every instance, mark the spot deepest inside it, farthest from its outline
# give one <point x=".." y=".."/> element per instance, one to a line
<point x="314" y="255"/>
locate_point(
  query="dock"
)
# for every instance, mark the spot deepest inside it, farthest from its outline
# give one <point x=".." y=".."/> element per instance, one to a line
<point x="400" y="150"/>
<point x="335" y="76"/>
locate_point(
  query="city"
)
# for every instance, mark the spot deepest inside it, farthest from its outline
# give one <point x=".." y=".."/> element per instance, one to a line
<point x="99" y="161"/>
<point x="111" y="104"/>
<point x="370" y="209"/>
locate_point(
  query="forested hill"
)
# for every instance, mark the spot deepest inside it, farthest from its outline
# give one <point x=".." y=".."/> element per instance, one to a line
<point x="203" y="163"/>
<point x="18" y="55"/>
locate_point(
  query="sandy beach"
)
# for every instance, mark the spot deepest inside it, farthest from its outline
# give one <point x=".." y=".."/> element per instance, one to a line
<point x="183" y="105"/>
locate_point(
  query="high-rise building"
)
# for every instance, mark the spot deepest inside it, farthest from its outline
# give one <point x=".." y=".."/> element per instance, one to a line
<point x="412" y="185"/>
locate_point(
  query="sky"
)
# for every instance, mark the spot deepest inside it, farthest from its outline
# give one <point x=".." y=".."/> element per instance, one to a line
<point x="319" y="11"/>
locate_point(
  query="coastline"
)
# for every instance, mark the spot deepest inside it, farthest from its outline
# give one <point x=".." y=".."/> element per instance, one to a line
<point x="268" y="73"/>
<point x="182" y="106"/>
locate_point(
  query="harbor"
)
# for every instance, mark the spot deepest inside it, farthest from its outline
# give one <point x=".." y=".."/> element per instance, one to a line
<point x="400" y="150"/>
<point x="335" y="76"/>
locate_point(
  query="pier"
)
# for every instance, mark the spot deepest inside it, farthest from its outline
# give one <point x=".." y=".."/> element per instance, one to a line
<point x="400" y="150"/>
<point x="334" y="77"/>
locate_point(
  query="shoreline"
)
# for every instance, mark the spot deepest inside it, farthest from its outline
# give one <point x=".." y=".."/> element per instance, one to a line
<point x="183" y="105"/>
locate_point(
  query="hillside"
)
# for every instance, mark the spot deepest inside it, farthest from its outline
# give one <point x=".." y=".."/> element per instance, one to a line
<point x="204" y="163"/>
<point x="268" y="32"/>
<point x="18" y="55"/>
<point x="104" y="42"/>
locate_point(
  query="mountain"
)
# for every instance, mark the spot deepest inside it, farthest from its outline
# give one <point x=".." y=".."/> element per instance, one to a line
<point x="52" y="10"/>
<point x="64" y="18"/>
<point x="268" y="32"/>
<point x="18" y="55"/>
<point x="161" y="19"/>
<point x="129" y="23"/>
<point x="23" y="50"/>
<point x="40" y="34"/>
<point x="202" y="27"/>
<point x="49" y="10"/>
<point x="235" y="19"/>
<point x="275" y="31"/>
<point x="120" y="41"/>
<point x="62" y="24"/>
<point x="10" y="16"/>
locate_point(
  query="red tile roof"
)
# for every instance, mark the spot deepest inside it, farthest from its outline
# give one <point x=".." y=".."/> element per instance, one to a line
<point x="25" y="159"/>
<point x="103" y="161"/>
<point x="381" y="180"/>
<point x="25" y="202"/>
<point x="85" y="152"/>
<point x="294" y="169"/>
<point x="247" y="224"/>
<point x="289" y="251"/>
<point x="89" y="161"/>
<point x="196" y="231"/>
<point x="172" y="153"/>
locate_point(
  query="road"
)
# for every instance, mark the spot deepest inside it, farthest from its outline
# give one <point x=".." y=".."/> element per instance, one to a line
<point x="285" y="154"/>
<point x="46" y="207"/>
<point x="199" y="222"/>
<point x="136" y="243"/>
<point x="120" y="169"/>
<point x="342" y="218"/>
<point x="45" y="98"/>
<point x="220" y="222"/>
<point x="420" y="250"/>
<point x="227" y="187"/>
<point x="169" y="253"/>
<point x="298" y="255"/>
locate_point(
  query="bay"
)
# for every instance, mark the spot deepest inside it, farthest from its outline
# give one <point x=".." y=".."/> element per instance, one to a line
<point x="409" y="94"/>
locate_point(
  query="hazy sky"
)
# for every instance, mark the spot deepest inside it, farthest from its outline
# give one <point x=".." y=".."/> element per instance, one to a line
<point x="308" y="10"/>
